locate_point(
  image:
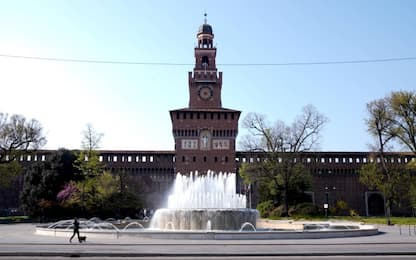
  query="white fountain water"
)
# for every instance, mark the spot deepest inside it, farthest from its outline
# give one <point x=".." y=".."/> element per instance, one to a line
<point x="206" y="201"/>
<point x="206" y="191"/>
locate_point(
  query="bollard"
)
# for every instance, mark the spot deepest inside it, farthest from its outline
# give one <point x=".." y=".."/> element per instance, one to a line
<point x="400" y="228"/>
<point x="410" y="232"/>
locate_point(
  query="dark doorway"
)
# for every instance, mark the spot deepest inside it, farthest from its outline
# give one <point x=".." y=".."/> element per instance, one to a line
<point x="375" y="204"/>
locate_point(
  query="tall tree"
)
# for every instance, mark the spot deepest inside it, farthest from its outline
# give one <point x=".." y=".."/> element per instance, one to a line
<point x="43" y="181"/>
<point x="281" y="146"/>
<point x="89" y="164"/>
<point x="88" y="158"/>
<point x="391" y="120"/>
<point x="403" y="117"/>
<point x="17" y="136"/>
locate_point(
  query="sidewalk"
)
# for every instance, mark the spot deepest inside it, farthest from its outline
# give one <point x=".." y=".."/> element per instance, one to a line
<point x="20" y="240"/>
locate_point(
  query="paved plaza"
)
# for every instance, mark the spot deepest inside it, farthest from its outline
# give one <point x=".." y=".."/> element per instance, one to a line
<point x="19" y="241"/>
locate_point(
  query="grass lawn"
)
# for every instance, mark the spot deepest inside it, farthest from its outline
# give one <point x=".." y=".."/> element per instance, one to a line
<point x="368" y="220"/>
<point x="14" y="219"/>
<point x="394" y="220"/>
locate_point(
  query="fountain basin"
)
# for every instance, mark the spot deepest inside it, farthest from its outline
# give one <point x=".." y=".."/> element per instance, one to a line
<point x="203" y="219"/>
<point x="263" y="234"/>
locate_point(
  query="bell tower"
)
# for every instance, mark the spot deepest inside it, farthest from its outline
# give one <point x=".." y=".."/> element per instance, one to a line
<point x="205" y="82"/>
<point x="205" y="132"/>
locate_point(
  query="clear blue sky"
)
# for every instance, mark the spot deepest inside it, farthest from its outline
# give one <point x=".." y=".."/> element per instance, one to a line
<point x="130" y="103"/>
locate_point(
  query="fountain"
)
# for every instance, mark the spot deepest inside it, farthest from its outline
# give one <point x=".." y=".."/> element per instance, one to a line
<point x="204" y="202"/>
<point x="207" y="207"/>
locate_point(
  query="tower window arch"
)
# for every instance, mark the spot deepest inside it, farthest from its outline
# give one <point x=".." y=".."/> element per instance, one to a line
<point x="205" y="61"/>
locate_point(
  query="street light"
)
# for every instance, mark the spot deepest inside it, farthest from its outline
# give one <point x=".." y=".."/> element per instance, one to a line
<point x="326" y="204"/>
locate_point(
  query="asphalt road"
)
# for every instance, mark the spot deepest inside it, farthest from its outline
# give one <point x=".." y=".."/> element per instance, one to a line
<point x="20" y="242"/>
<point x="227" y="258"/>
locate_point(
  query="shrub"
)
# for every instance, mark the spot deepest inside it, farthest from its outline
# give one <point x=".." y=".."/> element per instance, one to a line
<point x="265" y="208"/>
<point x="341" y="208"/>
<point x="277" y="212"/>
<point x="354" y="213"/>
<point x="304" y="209"/>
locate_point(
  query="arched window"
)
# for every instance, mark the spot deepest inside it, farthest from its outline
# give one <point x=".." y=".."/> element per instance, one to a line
<point x="205" y="60"/>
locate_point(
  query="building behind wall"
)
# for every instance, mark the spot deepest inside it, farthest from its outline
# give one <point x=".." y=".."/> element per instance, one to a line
<point x="150" y="175"/>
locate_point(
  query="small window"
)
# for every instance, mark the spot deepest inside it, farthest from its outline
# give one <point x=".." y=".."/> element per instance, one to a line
<point x="100" y="158"/>
<point x="194" y="159"/>
<point x="43" y="158"/>
<point x="151" y="159"/>
<point x="143" y="158"/>
<point x="115" y="158"/>
<point x="29" y="158"/>
<point x="337" y="160"/>
<point x="129" y="158"/>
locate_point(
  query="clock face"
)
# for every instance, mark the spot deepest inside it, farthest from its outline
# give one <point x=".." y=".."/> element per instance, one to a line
<point x="205" y="92"/>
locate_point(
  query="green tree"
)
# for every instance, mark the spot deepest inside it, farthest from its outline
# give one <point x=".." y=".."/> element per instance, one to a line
<point x="88" y="158"/>
<point x="89" y="165"/>
<point x="403" y="116"/>
<point x="281" y="172"/>
<point x="43" y="180"/>
<point x="379" y="174"/>
<point x="18" y="135"/>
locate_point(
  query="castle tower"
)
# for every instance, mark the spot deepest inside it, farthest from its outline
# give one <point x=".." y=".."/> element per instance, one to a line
<point x="205" y="132"/>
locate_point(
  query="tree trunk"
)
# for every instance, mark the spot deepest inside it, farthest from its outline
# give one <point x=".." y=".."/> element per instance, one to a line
<point x="286" y="213"/>
<point x="388" y="212"/>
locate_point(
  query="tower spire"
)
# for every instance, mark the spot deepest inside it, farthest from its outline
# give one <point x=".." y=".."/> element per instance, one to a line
<point x="205" y="18"/>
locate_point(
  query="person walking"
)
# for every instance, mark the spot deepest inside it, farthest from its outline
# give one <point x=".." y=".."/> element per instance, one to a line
<point x="76" y="230"/>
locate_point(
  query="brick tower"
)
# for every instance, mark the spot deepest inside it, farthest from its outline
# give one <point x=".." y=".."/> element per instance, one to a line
<point x="205" y="132"/>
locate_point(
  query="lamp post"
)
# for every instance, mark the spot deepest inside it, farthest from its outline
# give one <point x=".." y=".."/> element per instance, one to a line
<point x="326" y="204"/>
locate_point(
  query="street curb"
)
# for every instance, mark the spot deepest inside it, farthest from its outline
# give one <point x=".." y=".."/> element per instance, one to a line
<point x="97" y="254"/>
